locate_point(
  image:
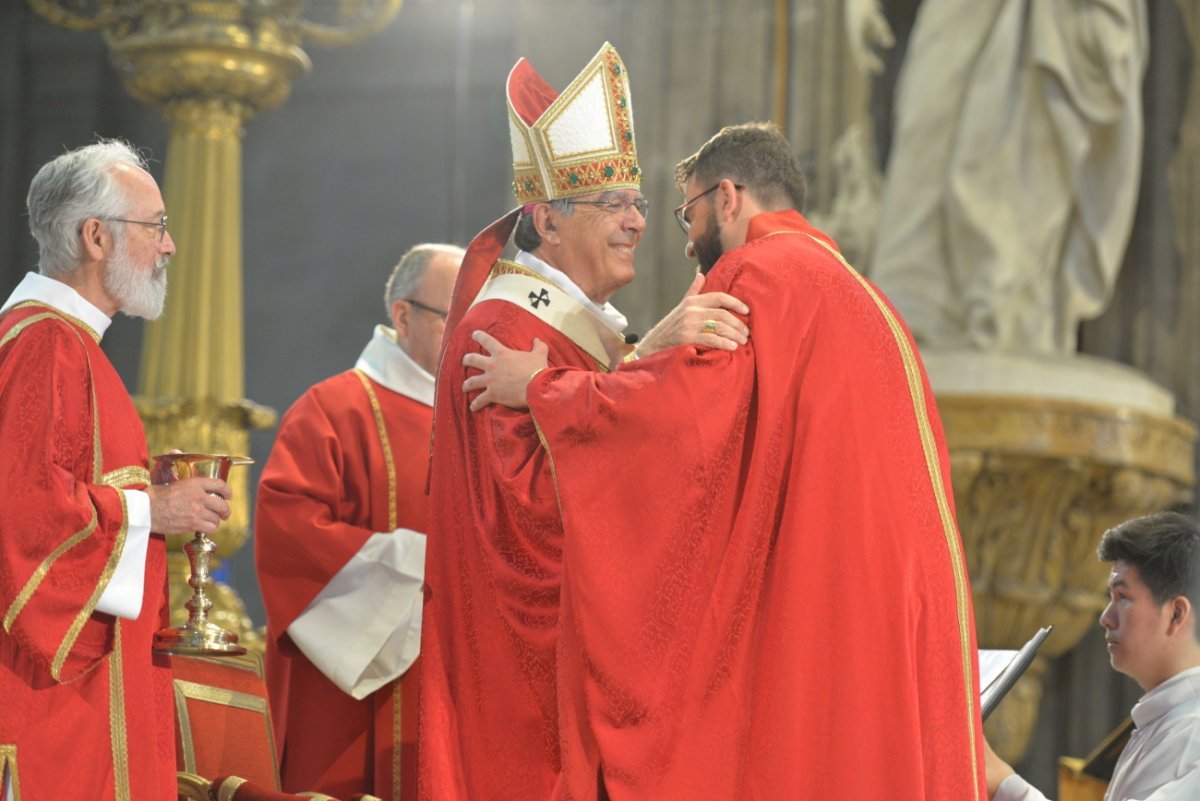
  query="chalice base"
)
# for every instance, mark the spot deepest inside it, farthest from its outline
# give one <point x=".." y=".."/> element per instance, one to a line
<point x="197" y="639"/>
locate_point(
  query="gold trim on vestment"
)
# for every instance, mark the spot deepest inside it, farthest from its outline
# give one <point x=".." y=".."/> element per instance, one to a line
<point x="57" y="312"/>
<point x="509" y="282"/>
<point x="550" y="458"/>
<point x="397" y="738"/>
<point x="43" y="569"/>
<point x="119" y="732"/>
<point x="117" y="724"/>
<point x="114" y="555"/>
<point x="16" y="330"/>
<point x="393" y="521"/>
<point x="916" y="389"/>
<point x="81" y="618"/>
<point x="506" y="267"/>
<point x="385" y="445"/>
<point x="8" y="761"/>
<point x="126" y="477"/>
<point x="39" y="574"/>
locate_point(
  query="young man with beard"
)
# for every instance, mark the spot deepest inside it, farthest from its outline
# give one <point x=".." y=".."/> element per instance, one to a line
<point x="86" y="708"/>
<point x="764" y="587"/>
<point x="1152" y="632"/>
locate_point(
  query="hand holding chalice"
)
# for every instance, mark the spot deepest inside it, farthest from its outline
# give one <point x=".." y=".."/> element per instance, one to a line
<point x="200" y="505"/>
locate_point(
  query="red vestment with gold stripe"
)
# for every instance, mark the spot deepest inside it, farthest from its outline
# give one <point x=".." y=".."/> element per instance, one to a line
<point x="489" y="718"/>
<point x="764" y="593"/>
<point x="323" y="493"/>
<point x="86" y="710"/>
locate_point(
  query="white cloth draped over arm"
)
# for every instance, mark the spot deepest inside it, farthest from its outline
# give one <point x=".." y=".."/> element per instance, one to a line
<point x="123" y="595"/>
<point x="364" y="629"/>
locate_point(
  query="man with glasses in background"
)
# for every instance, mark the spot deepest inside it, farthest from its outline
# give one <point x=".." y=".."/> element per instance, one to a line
<point x="86" y="707"/>
<point x="489" y="721"/>
<point x="771" y="600"/>
<point x="340" y="550"/>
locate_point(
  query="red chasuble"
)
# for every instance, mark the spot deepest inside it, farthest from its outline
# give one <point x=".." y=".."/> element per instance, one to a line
<point x="764" y="591"/>
<point x="327" y="487"/>
<point x="489" y="727"/>
<point x="86" y="710"/>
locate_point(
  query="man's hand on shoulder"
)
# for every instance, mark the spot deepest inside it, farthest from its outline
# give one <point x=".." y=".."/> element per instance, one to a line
<point x="708" y="320"/>
<point x="504" y="373"/>
<point x="191" y="504"/>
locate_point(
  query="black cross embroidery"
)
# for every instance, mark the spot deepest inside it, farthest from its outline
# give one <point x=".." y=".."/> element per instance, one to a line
<point x="539" y="298"/>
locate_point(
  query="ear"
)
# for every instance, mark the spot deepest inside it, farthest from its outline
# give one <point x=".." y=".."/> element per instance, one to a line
<point x="95" y="239"/>
<point x="1181" y="614"/>
<point x="543" y="221"/>
<point x="729" y="200"/>
<point x="399" y="313"/>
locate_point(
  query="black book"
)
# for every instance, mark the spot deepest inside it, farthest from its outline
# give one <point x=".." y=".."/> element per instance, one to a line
<point x="999" y="670"/>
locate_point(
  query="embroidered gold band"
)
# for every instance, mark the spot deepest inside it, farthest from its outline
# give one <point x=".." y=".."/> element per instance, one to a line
<point x="393" y="521"/>
<point x="916" y="390"/>
<point x="8" y="763"/>
<point x="523" y="287"/>
<point x="42" y="569"/>
<point x="385" y="445"/>
<point x="116" y="719"/>
<point x="126" y="477"/>
<point x="54" y="312"/>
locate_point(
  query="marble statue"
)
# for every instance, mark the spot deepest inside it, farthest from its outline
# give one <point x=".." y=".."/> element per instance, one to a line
<point x="1013" y="177"/>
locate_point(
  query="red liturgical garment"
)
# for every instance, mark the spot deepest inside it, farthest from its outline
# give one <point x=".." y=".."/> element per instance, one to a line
<point x="86" y="709"/>
<point x="327" y="488"/>
<point x="488" y="711"/>
<point x="764" y="594"/>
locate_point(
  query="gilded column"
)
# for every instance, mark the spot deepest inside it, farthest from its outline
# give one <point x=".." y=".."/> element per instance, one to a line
<point x="207" y="72"/>
<point x="208" y="66"/>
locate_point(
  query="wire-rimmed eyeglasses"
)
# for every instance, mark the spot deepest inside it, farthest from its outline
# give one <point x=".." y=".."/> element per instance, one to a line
<point x="429" y="309"/>
<point x="681" y="210"/>
<point x="617" y="205"/>
<point x="161" y="225"/>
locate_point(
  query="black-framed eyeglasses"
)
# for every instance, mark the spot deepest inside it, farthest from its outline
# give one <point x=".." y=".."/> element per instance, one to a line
<point x="161" y="225"/>
<point x="681" y="210"/>
<point x="617" y="205"/>
<point x="429" y="309"/>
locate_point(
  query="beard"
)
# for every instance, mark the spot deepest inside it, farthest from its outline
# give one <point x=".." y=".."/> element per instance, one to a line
<point x="139" y="293"/>
<point x="708" y="249"/>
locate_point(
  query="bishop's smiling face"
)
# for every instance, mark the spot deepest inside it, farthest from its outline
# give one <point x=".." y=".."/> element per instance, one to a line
<point x="596" y="246"/>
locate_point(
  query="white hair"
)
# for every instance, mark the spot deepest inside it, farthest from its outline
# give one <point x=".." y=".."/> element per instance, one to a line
<point x="68" y="190"/>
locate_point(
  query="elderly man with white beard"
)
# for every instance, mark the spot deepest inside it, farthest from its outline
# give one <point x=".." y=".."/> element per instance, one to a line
<point x="82" y="578"/>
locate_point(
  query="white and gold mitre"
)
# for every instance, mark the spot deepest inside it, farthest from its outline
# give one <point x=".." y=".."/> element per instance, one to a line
<point x="573" y="143"/>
